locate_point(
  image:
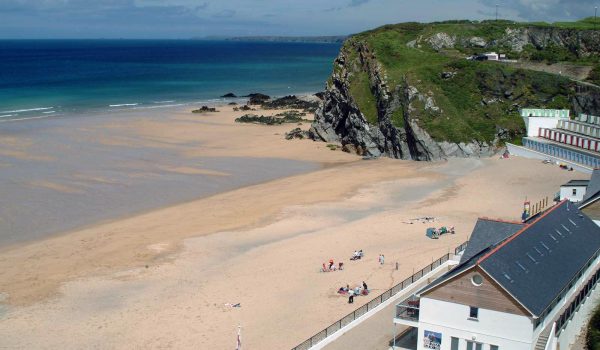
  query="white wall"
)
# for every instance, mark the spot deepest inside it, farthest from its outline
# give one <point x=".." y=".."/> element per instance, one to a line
<point x="566" y="192"/>
<point x="508" y="331"/>
<point x="534" y="124"/>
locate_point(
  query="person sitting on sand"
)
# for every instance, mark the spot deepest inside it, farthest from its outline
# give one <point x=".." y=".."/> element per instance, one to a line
<point x="357" y="290"/>
<point x="324" y="268"/>
<point x="330" y="263"/>
<point x="341" y="266"/>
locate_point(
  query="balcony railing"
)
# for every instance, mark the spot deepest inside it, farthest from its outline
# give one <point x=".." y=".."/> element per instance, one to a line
<point x="408" y="309"/>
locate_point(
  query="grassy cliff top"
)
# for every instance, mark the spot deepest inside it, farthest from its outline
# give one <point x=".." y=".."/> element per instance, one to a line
<point x="480" y="97"/>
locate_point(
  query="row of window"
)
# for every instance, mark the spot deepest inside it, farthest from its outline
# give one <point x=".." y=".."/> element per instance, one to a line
<point x="471" y="345"/>
<point x="574" y="306"/>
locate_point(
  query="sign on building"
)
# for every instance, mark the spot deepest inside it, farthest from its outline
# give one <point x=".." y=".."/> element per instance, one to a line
<point x="432" y="340"/>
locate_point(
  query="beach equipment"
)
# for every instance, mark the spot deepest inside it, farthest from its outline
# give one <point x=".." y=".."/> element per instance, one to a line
<point x="435" y="233"/>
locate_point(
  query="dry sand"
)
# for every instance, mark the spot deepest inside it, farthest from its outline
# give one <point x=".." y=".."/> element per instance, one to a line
<point x="164" y="279"/>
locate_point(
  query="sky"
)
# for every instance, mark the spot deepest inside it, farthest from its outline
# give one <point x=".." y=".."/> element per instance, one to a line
<point x="20" y="19"/>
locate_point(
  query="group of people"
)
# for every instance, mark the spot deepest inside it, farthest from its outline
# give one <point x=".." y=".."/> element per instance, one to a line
<point x="358" y="254"/>
<point x="332" y="267"/>
<point x="358" y="290"/>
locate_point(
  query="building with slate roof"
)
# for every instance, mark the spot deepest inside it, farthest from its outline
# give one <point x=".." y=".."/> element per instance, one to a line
<point x="518" y="286"/>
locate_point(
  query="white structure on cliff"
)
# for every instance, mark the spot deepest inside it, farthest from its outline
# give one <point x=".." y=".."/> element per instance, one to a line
<point x="518" y="286"/>
<point x="542" y="118"/>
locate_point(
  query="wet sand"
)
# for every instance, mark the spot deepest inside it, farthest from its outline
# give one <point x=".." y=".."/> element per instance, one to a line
<point x="164" y="279"/>
<point x="62" y="174"/>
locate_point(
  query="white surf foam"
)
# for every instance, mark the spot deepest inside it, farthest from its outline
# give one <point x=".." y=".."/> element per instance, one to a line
<point x="6" y="115"/>
<point x="27" y="118"/>
<point x="124" y="105"/>
<point x="28" y="110"/>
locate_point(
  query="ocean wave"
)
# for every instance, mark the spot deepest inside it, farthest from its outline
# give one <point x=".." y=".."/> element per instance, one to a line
<point x="163" y="101"/>
<point x="49" y="112"/>
<point x="6" y="115"/>
<point x="26" y="118"/>
<point x="28" y="110"/>
<point x="124" y="105"/>
<point x="161" y="106"/>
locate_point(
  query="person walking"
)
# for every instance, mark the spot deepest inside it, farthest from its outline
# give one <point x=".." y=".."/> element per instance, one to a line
<point x="350" y="296"/>
<point x="365" y="286"/>
<point x="382" y="260"/>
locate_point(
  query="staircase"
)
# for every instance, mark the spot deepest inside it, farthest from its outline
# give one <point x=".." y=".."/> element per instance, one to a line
<point x="543" y="338"/>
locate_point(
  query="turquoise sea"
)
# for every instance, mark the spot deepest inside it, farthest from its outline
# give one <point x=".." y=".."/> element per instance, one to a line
<point x="44" y="78"/>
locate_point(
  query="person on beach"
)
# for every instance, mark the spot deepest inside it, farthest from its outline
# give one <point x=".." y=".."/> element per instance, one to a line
<point x="365" y="286"/>
<point x="324" y="268"/>
<point x="350" y="296"/>
<point x="341" y="266"/>
<point x="330" y="264"/>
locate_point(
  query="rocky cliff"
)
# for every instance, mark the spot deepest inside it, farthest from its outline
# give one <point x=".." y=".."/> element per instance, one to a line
<point x="406" y="91"/>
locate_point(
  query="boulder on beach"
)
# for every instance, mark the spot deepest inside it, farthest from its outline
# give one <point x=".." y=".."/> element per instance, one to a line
<point x="205" y="109"/>
<point x="257" y="98"/>
<point x="229" y="95"/>
<point x="292" y="102"/>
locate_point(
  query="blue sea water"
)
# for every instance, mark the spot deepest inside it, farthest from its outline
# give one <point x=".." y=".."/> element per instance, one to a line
<point x="42" y="78"/>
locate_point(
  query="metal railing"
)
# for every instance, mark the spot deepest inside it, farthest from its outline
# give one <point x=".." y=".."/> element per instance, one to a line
<point x="409" y="309"/>
<point x="378" y="300"/>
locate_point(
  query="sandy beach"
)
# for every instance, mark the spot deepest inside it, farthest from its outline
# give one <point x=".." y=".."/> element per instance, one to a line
<point x="166" y="278"/>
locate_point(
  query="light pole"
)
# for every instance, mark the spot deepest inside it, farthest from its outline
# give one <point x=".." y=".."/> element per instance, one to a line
<point x="497" y="12"/>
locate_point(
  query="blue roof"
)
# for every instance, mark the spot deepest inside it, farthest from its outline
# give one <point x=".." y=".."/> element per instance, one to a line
<point x="488" y="233"/>
<point x="535" y="264"/>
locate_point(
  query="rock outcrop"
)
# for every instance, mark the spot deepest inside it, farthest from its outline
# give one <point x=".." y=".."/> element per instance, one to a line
<point x="394" y="118"/>
<point x="340" y="119"/>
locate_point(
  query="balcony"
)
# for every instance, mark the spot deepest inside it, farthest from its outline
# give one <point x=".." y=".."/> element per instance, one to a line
<point x="407" y="312"/>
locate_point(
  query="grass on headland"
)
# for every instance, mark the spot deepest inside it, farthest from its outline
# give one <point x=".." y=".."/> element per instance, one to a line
<point x="360" y="88"/>
<point x="481" y="98"/>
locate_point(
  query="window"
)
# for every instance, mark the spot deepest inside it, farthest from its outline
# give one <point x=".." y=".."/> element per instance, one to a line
<point x="493" y="347"/>
<point x="474" y="346"/>
<point x="477" y="280"/>
<point x="453" y="343"/>
<point x="574" y="191"/>
<point x="473" y="312"/>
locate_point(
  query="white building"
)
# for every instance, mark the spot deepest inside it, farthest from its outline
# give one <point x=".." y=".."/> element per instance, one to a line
<point x="518" y="286"/>
<point x="581" y="190"/>
<point x="535" y="119"/>
<point x="574" y="190"/>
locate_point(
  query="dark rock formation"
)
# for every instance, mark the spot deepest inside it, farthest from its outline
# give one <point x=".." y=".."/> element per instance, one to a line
<point x="229" y="95"/>
<point x="269" y="120"/>
<point x="297" y="133"/>
<point x="291" y="102"/>
<point x="257" y="98"/>
<point x="205" y="109"/>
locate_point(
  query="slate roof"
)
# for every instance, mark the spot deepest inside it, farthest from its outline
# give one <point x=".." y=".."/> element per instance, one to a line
<point x="577" y="183"/>
<point x="535" y="263"/>
<point x="487" y="233"/>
